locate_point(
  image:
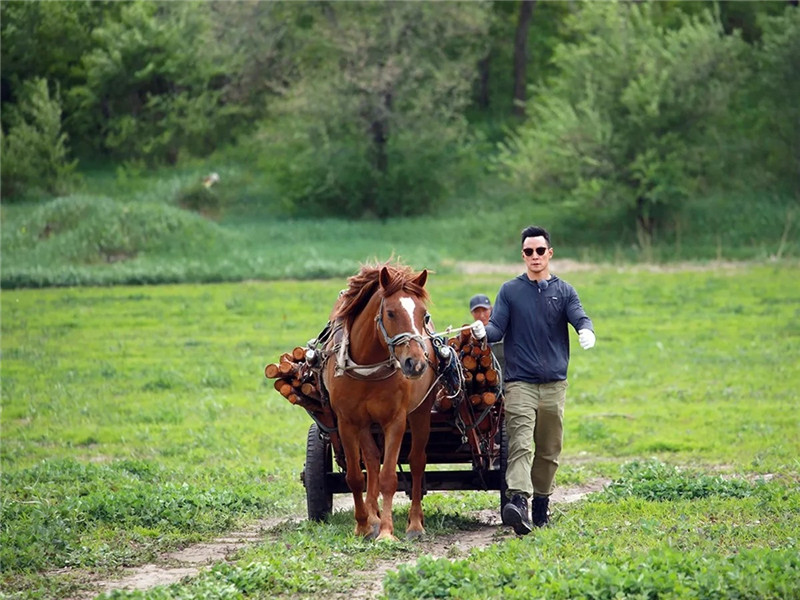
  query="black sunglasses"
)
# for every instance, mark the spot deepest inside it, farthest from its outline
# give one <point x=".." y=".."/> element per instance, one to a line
<point x="529" y="251"/>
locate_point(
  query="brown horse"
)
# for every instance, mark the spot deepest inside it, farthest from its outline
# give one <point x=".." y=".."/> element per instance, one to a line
<point x="381" y="370"/>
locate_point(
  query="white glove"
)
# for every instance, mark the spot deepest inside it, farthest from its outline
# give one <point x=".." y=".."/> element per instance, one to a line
<point x="478" y="330"/>
<point x="586" y="338"/>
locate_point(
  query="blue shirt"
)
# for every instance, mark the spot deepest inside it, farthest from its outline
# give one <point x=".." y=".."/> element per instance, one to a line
<point x="533" y="325"/>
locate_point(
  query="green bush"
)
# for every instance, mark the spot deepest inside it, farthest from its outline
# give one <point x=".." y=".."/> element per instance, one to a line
<point x="34" y="151"/>
<point x="201" y="198"/>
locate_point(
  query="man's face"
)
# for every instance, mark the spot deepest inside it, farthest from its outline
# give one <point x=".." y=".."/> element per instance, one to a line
<point x="536" y="263"/>
<point x="482" y="314"/>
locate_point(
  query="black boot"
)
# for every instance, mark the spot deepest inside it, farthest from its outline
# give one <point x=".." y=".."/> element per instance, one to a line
<point x="515" y="513"/>
<point x="541" y="515"/>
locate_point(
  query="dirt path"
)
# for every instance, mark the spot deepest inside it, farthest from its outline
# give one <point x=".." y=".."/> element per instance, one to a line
<point x="458" y="545"/>
<point x="174" y="566"/>
<point x="568" y="265"/>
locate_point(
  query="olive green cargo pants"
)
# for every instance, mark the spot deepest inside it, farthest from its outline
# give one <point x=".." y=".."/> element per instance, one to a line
<point x="534" y="415"/>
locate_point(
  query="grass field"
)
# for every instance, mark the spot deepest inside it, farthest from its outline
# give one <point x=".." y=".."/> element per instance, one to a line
<point x="137" y="419"/>
<point x="129" y="229"/>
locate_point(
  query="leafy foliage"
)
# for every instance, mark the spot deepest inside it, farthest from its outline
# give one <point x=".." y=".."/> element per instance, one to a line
<point x="35" y="150"/>
<point x="375" y="109"/>
<point x="374" y="127"/>
<point x="47" y="41"/>
<point x="778" y="89"/>
<point x="628" y="125"/>
<point x="153" y="84"/>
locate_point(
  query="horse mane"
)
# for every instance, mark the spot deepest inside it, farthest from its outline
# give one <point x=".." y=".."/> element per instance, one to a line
<point x="364" y="284"/>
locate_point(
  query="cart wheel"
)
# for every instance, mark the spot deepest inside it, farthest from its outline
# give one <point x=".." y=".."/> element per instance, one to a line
<point x="503" y="466"/>
<point x="319" y="462"/>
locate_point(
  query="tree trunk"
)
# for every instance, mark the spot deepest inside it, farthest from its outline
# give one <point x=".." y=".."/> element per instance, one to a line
<point x="645" y="227"/>
<point x="521" y="56"/>
<point x="484" y="65"/>
<point x="380" y="134"/>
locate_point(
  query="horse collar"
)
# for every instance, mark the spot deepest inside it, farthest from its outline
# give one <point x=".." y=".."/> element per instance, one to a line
<point x="345" y="365"/>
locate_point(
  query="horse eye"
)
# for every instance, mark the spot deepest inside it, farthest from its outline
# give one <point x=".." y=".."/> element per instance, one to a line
<point x="390" y="314"/>
<point x="427" y="318"/>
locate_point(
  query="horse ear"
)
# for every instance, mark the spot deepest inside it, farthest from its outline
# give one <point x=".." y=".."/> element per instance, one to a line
<point x="384" y="278"/>
<point x="422" y="278"/>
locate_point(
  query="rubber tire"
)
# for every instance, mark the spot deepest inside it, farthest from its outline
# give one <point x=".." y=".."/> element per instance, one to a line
<point x="319" y="462"/>
<point x="503" y="466"/>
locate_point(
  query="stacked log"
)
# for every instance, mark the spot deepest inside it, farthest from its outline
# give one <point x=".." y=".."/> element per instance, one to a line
<point x="481" y="379"/>
<point x="295" y="380"/>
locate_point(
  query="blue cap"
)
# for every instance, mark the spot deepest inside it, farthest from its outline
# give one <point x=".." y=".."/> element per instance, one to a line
<point x="479" y="301"/>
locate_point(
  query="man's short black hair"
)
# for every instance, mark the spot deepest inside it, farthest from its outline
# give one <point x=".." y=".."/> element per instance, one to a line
<point x="534" y="231"/>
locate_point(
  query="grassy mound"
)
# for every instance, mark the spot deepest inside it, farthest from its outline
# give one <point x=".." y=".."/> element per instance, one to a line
<point x="69" y="234"/>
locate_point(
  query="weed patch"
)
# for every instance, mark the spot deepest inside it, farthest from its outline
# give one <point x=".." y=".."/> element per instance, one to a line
<point x="50" y="510"/>
<point x="658" y="574"/>
<point x="658" y="481"/>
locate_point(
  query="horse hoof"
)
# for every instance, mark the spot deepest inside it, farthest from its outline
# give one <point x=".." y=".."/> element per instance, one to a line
<point x="414" y="534"/>
<point x="373" y="534"/>
<point x="388" y="537"/>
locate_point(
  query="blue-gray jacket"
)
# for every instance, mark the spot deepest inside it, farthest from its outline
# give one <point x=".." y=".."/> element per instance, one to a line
<point x="533" y="323"/>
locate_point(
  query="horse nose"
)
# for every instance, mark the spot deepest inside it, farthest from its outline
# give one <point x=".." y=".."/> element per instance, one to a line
<point x="414" y="368"/>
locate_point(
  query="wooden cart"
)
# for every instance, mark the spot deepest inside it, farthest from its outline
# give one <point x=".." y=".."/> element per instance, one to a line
<point x="467" y="450"/>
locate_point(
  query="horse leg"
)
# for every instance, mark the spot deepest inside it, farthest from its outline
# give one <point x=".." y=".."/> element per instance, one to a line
<point x="393" y="438"/>
<point x="420" y="424"/>
<point x="372" y="460"/>
<point x="349" y="435"/>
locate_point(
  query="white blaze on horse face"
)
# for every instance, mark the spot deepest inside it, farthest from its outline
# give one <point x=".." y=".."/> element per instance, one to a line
<point x="410" y="305"/>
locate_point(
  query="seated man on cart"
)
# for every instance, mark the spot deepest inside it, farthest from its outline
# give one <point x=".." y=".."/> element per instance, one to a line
<point x="481" y="309"/>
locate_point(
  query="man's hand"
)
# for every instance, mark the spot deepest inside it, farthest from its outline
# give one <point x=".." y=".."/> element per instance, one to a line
<point x="478" y="330"/>
<point x="585" y="338"/>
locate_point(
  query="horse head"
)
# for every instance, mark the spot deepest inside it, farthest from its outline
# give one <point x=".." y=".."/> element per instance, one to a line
<point x="403" y="319"/>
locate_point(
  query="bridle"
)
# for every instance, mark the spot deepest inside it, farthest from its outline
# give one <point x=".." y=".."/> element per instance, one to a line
<point x="405" y="338"/>
<point x="387" y="367"/>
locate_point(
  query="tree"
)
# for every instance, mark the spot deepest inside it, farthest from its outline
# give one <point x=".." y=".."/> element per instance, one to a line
<point x="777" y="86"/>
<point x="518" y="56"/>
<point x="263" y="44"/>
<point x="155" y="84"/>
<point x="48" y="40"/>
<point x="376" y="121"/>
<point x="629" y="123"/>
<point x="35" y="149"/>
<point x="521" y="55"/>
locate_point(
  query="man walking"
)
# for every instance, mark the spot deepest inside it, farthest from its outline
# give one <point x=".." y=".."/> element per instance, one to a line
<point x="531" y="313"/>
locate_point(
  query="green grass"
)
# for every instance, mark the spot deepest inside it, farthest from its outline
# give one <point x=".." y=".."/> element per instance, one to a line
<point x="126" y="227"/>
<point x="657" y="531"/>
<point x="137" y="419"/>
